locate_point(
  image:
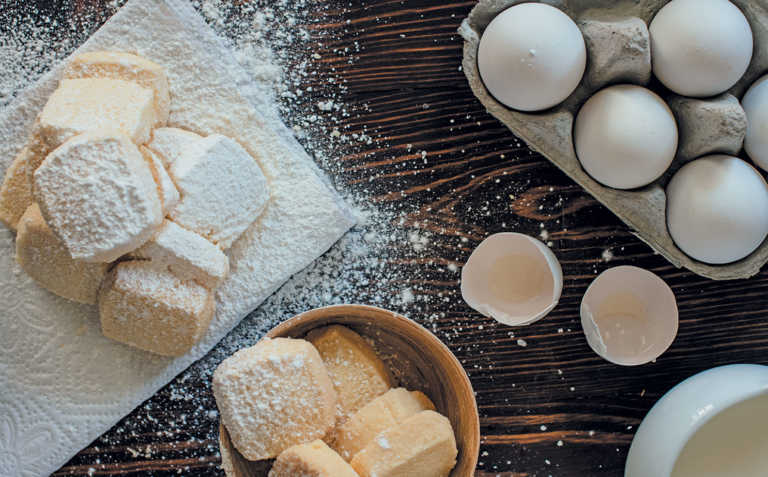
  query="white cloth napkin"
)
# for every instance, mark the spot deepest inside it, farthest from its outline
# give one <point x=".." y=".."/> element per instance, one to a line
<point x="62" y="384"/>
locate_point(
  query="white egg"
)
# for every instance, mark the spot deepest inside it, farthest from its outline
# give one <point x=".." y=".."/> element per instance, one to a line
<point x="513" y="278"/>
<point x="700" y="47"/>
<point x="625" y="136"/>
<point x="531" y="56"/>
<point x="629" y="315"/>
<point x="755" y="104"/>
<point x="717" y="209"/>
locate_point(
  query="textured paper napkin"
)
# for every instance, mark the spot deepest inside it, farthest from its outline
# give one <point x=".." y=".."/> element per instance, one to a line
<point x="62" y="384"/>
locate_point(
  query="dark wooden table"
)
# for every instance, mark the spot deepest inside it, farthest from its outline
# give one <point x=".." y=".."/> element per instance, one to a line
<point x="550" y="408"/>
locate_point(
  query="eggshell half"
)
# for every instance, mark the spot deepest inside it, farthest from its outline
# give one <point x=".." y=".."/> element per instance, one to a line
<point x="629" y="315"/>
<point x="512" y="278"/>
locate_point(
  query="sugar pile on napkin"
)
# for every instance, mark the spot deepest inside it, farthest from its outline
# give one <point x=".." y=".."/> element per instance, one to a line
<point x="63" y="384"/>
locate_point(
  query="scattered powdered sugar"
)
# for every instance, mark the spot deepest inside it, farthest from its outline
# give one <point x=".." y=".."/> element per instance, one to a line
<point x="275" y="42"/>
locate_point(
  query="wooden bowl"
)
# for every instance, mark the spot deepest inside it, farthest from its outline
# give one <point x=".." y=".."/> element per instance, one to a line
<point x="418" y="360"/>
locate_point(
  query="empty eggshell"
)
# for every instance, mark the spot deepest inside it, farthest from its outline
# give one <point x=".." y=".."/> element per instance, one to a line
<point x="629" y="315"/>
<point x="512" y="278"/>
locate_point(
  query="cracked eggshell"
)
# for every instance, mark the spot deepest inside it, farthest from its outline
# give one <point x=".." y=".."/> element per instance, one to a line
<point x="512" y="278"/>
<point x="629" y="316"/>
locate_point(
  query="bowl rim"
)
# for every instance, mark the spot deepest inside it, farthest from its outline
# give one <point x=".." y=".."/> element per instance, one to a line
<point x="466" y="389"/>
<point x="725" y="373"/>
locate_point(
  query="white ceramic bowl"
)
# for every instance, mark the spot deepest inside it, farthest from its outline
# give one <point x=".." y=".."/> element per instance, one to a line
<point x="685" y="409"/>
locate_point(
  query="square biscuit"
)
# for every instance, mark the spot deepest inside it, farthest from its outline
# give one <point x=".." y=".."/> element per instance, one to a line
<point x="274" y="395"/>
<point x="223" y="190"/>
<point x="384" y="412"/>
<point x="169" y="194"/>
<point x="172" y="143"/>
<point x="423" y="445"/>
<point x="44" y="258"/>
<point x="91" y="104"/>
<point x="153" y="310"/>
<point x="314" y="459"/>
<point x="15" y="192"/>
<point x="128" y="67"/>
<point x="357" y="372"/>
<point x="186" y="255"/>
<point x="97" y="194"/>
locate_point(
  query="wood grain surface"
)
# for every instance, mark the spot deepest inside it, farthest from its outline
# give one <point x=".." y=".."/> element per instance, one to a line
<point x="549" y="408"/>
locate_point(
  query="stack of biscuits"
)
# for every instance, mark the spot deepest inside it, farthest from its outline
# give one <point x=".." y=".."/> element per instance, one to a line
<point x="112" y="207"/>
<point x="325" y="406"/>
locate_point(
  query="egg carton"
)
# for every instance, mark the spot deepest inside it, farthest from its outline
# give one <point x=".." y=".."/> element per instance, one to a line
<point x="550" y="132"/>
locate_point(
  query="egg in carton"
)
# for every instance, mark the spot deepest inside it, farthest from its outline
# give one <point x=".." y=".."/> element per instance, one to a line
<point x="618" y="51"/>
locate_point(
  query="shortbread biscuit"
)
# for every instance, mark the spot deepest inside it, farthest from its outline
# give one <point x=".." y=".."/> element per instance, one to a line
<point x="169" y="194"/>
<point x="128" y="67"/>
<point x="42" y="255"/>
<point x="358" y="374"/>
<point x="97" y="194"/>
<point x="91" y="104"/>
<point x="423" y="445"/>
<point x="15" y="193"/>
<point x="186" y="255"/>
<point x="314" y="459"/>
<point x="274" y="395"/>
<point x="153" y="310"/>
<point x="387" y="410"/>
<point x="223" y="190"/>
<point x="172" y="143"/>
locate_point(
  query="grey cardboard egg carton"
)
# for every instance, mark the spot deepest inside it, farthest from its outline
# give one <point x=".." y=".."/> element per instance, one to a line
<point x="618" y="52"/>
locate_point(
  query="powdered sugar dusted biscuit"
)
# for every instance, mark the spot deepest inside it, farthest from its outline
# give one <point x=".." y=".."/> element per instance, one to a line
<point x="151" y="309"/>
<point x="185" y="254"/>
<point x="97" y="194"/>
<point x="42" y="255"/>
<point x="92" y="104"/>
<point x="15" y="193"/>
<point x="356" y="371"/>
<point x="274" y="395"/>
<point x="172" y="143"/>
<point x="169" y="195"/>
<point x="128" y="67"/>
<point x="384" y="412"/>
<point x="423" y="445"/>
<point x="223" y="190"/>
<point x="314" y="459"/>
